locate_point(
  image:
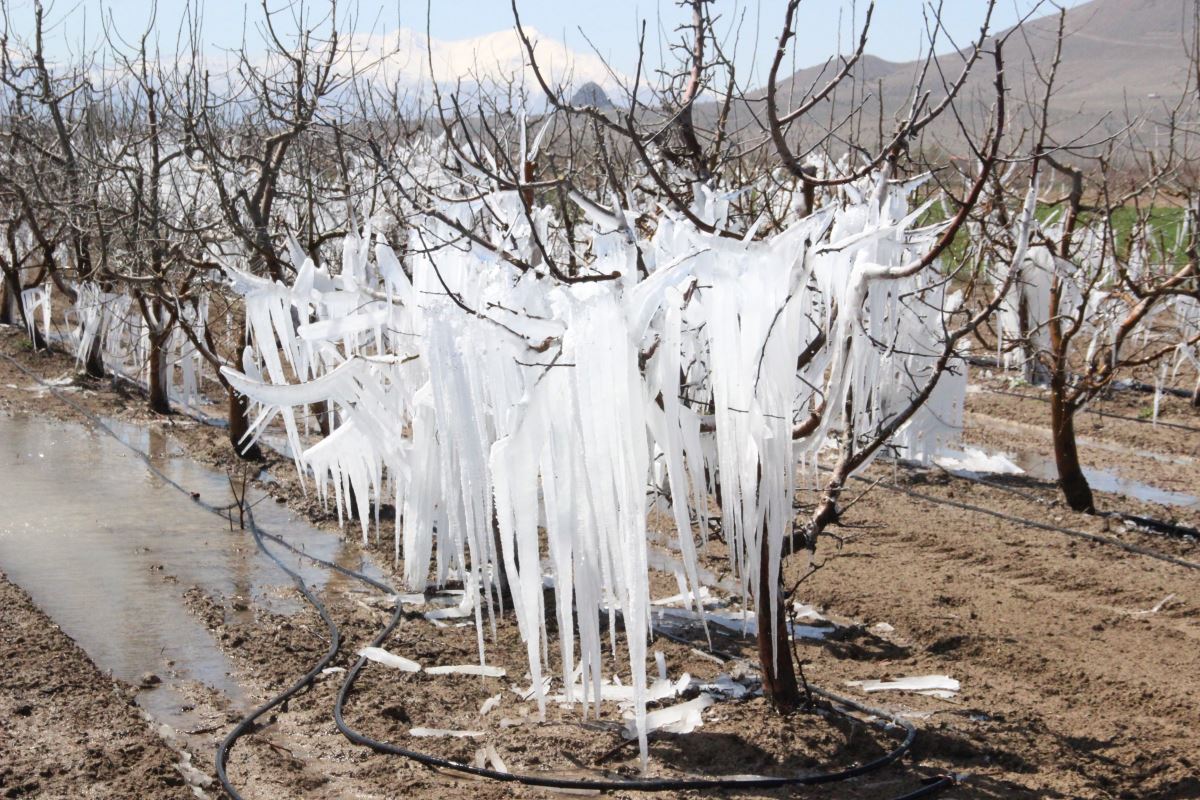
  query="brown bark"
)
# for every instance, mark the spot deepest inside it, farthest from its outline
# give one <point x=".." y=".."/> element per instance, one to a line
<point x="1071" y="479"/>
<point x="160" y="401"/>
<point x="774" y="645"/>
<point x="808" y="189"/>
<point x="503" y="587"/>
<point x="94" y="366"/>
<point x="239" y="424"/>
<point x="6" y="304"/>
<point x="527" y="174"/>
<point x="321" y="412"/>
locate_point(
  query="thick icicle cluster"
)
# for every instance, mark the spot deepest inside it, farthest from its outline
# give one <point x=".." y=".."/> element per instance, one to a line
<point x="1090" y="285"/>
<point x="522" y="425"/>
<point x="114" y="320"/>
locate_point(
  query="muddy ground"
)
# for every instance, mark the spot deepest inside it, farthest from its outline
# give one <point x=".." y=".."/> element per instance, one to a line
<point x="1079" y="661"/>
<point x="66" y="729"/>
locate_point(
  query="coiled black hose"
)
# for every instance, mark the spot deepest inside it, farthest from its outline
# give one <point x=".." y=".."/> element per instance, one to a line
<point x="841" y="705"/>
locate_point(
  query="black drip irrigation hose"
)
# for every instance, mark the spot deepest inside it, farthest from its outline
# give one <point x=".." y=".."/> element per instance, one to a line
<point x="840" y="705"/>
<point x="1045" y="526"/>
<point x="1150" y="388"/>
<point x="629" y="784"/>
<point x="247" y="725"/>
<point x="1096" y="411"/>
<point x="1156" y="525"/>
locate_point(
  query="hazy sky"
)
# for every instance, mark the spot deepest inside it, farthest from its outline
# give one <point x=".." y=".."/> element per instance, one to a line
<point x="610" y="25"/>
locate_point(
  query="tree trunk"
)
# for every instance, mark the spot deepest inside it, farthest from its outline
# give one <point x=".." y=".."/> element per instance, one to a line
<point x="774" y="644"/>
<point x="1196" y="395"/>
<point x="6" y="305"/>
<point x="160" y="401"/>
<point x="1071" y="479"/>
<point x="321" y="412"/>
<point x="808" y="190"/>
<point x="1032" y="370"/>
<point x="38" y="340"/>
<point x="95" y="358"/>
<point x="239" y="406"/>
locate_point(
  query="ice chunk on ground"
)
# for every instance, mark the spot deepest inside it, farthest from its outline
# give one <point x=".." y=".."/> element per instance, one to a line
<point x="679" y="718"/>
<point x="489" y="704"/>
<point x="660" y="689"/>
<point x="381" y="656"/>
<point x="942" y="686"/>
<point x="467" y="669"/>
<point x="978" y="462"/>
<point x="725" y="686"/>
<point x="466" y="608"/>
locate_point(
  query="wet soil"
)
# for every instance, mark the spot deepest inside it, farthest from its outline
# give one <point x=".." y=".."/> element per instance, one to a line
<point x="66" y="729"/>
<point x="1077" y="661"/>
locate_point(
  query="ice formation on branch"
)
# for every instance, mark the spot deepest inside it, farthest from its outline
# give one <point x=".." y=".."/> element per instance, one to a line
<point x="1187" y="315"/>
<point x="519" y="424"/>
<point x="33" y="301"/>
<point x="114" y="322"/>
<point x="1089" y="289"/>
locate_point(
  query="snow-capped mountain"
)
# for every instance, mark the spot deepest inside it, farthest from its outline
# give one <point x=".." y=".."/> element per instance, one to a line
<point x="404" y="57"/>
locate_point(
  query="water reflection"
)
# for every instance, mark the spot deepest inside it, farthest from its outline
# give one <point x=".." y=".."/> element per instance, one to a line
<point x="107" y="550"/>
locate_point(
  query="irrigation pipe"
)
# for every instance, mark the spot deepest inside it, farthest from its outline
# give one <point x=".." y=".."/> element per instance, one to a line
<point x="1090" y="410"/>
<point x="1092" y="537"/>
<point x="633" y="784"/>
<point x="840" y="705"/>
<point x="246" y="725"/>
<point x="1157" y="525"/>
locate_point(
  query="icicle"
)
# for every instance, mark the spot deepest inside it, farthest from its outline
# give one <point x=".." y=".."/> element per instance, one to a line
<point x="499" y="409"/>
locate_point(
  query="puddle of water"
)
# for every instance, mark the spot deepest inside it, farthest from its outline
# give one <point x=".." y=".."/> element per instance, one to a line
<point x="1041" y="467"/>
<point x="1086" y="441"/>
<point x="107" y="550"/>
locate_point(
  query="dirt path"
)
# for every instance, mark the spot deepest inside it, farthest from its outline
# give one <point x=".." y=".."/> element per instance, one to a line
<point x="66" y="729"/>
<point x="1078" y="661"/>
<point x="1072" y="686"/>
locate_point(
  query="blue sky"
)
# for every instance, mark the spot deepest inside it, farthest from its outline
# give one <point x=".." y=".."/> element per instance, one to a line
<point x="610" y="25"/>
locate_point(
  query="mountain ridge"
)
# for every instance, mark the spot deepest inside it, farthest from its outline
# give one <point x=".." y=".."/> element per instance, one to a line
<point x="1120" y="59"/>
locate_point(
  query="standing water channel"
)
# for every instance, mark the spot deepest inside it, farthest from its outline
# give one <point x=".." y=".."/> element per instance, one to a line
<point x="107" y="550"/>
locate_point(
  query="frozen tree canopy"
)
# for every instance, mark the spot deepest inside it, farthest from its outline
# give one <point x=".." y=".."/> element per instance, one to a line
<point x="520" y="424"/>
